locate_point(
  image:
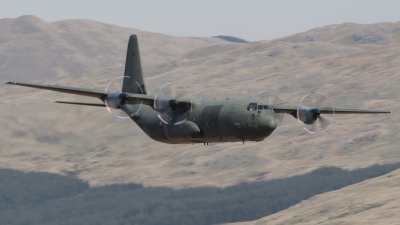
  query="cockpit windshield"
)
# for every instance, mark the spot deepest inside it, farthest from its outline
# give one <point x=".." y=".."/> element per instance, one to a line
<point x="253" y="106"/>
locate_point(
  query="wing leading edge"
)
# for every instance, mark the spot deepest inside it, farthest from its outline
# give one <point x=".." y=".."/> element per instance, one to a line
<point x="69" y="90"/>
<point x="293" y="109"/>
<point x="149" y="100"/>
<point x="132" y="98"/>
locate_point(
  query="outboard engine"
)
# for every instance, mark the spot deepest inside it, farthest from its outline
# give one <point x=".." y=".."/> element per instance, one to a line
<point x="116" y="99"/>
<point x="308" y="115"/>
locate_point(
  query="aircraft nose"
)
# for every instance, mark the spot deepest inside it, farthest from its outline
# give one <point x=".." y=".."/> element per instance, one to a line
<point x="267" y="123"/>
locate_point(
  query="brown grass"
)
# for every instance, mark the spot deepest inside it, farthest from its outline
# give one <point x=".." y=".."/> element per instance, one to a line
<point x="356" y="65"/>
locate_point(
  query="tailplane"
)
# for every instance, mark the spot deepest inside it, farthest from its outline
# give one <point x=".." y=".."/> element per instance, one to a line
<point x="133" y="78"/>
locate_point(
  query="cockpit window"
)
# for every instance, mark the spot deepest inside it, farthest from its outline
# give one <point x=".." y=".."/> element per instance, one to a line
<point x="252" y="106"/>
<point x="268" y="107"/>
<point x="260" y="107"/>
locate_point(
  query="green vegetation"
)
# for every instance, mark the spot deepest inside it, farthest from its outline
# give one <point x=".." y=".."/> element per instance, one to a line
<point x="43" y="198"/>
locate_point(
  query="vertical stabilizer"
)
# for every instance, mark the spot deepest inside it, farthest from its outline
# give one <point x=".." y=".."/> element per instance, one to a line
<point x="133" y="80"/>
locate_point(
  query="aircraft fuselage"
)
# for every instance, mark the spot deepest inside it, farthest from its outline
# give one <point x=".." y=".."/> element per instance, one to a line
<point x="228" y="120"/>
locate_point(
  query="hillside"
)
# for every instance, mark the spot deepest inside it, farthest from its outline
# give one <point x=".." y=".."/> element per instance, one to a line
<point x="375" y="201"/>
<point x="356" y="65"/>
<point x="38" y="135"/>
<point x="46" y="198"/>
<point x="351" y="34"/>
<point x="32" y="49"/>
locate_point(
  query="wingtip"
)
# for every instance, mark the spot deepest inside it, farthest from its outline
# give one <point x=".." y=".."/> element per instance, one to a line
<point x="10" y="82"/>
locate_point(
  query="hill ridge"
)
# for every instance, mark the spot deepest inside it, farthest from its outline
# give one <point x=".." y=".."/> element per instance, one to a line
<point x="46" y="50"/>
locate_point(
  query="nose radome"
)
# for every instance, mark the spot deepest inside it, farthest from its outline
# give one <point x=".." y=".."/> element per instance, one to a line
<point x="267" y="123"/>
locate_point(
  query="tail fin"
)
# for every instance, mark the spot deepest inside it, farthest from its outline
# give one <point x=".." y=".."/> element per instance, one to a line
<point x="133" y="80"/>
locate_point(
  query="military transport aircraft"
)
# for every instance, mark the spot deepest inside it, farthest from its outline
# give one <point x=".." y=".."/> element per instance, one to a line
<point x="176" y="120"/>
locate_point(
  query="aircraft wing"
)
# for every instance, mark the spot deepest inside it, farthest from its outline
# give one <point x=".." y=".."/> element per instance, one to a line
<point x="132" y="98"/>
<point x="293" y="110"/>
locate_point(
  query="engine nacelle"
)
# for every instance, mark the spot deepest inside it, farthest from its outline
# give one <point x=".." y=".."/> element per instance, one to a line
<point x="162" y="104"/>
<point x="308" y="115"/>
<point x="116" y="99"/>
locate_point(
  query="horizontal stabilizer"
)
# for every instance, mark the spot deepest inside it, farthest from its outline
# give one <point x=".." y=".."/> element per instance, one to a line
<point x="83" y="103"/>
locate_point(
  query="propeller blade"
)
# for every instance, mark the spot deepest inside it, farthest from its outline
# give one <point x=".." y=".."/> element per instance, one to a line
<point x="116" y="84"/>
<point x="280" y="118"/>
<point x="308" y="100"/>
<point x="316" y="101"/>
<point x="325" y="124"/>
<point x="176" y="108"/>
<point x="320" y="99"/>
<point x="273" y="99"/>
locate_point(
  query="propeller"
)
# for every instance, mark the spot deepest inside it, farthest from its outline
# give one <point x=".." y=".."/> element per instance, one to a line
<point x="173" y="104"/>
<point x="115" y="100"/>
<point x="273" y="99"/>
<point x="310" y="114"/>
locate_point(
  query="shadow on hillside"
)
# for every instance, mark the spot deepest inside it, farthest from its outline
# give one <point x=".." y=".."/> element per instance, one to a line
<point x="44" y="198"/>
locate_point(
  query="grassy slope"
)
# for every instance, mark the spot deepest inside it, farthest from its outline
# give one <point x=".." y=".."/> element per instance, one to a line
<point x="37" y="135"/>
<point x="32" y="49"/>
<point x="88" y="142"/>
<point x="374" y="201"/>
